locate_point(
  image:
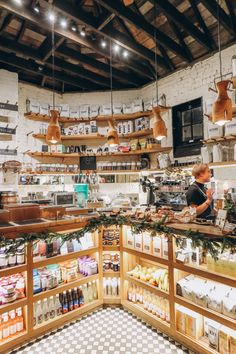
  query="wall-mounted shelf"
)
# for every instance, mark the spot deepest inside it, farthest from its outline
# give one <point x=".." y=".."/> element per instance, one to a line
<point x="93" y="136"/>
<point x="75" y="155"/>
<point x="222" y="139"/>
<point x="100" y="118"/>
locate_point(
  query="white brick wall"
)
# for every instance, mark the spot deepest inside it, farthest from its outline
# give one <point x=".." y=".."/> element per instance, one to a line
<point x="179" y="87"/>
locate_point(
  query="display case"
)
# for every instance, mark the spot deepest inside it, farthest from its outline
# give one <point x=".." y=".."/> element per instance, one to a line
<point x="181" y="291"/>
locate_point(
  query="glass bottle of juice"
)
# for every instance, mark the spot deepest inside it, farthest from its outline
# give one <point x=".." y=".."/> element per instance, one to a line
<point x="19" y="320"/>
<point x="95" y="290"/>
<point x="46" y="314"/>
<point x="70" y="300"/>
<point x="81" y="296"/>
<point x="58" y="305"/>
<point x="52" y="312"/>
<point x="64" y="303"/>
<point x="39" y="313"/>
<point x="85" y="292"/>
<point x="12" y="327"/>
<point x="5" y="326"/>
<point x="75" y="298"/>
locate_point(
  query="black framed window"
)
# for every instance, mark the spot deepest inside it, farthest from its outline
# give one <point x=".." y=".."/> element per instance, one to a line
<point x="187" y="123"/>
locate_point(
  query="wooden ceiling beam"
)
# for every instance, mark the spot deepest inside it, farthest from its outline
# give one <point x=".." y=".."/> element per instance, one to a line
<point x="139" y="21"/>
<point x="201" y="22"/>
<point x="26" y="53"/>
<point x="27" y="14"/>
<point x="182" y="21"/>
<point x="30" y="66"/>
<point x="21" y="31"/>
<point x="98" y="65"/>
<point x="180" y="38"/>
<point x="230" y="7"/>
<point x="6" y="22"/>
<point x="211" y="6"/>
<point x="106" y="21"/>
<point x="46" y="46"/>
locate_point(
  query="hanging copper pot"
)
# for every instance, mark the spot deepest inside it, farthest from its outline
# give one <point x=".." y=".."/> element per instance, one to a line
<point x="159" y="127"/>
<point x="222" y="107"/>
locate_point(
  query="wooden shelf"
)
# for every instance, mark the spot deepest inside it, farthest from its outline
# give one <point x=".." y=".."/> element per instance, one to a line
<point x="147" y="286"/>
<point x="7" y="343"/>
<point x="111" y="300"/>
<point x="81" y="310"/>
<point x="146" y="256"/>
<point x="222" y="164"/>
<point x="216" y="316"/>
<point x="63" y="258"/>
<point x="223" y="139"/>
<point x="122" y="116"/>
<point x="13" y="270"/>
<point x="74" y="137"/>
<point x="202" y="271"/>
<point x="59" y="289"/>
<point x="93" y="136"/>
<point x="45" y="118"/>
<point x="111" y="248"/>
<point x="111" y="274"/>
<point x="139" y="310"/>
<point x="75" y="155"/>
<point x="13" y="305"/>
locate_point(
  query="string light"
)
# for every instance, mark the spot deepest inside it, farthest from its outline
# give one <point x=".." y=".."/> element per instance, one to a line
<point x="52" y="17"/>
<point x="63" y="23"/>
<point x="116" y="48"/>
<point x="74" y="29"/>
<point x="36" y="9"/>
<point x="82" y="33"/>
<point x="125" y="54"/>
<point x="103" y="44"/>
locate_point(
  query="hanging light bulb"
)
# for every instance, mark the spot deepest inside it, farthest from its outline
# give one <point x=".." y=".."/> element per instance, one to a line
<point x="159" y="127"/>
<point x="222" y="110"/>
<point x="53" y="135"/>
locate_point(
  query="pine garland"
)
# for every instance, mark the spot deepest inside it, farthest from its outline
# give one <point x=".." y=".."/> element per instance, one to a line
<point x="213" y="245"/>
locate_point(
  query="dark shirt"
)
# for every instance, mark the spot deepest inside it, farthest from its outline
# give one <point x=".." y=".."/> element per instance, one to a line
<point x="196" y="197"/>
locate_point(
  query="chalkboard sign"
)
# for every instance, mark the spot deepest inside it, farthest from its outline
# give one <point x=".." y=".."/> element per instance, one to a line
<point x="88" y="163"/>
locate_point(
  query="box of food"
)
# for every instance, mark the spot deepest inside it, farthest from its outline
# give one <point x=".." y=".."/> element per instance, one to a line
<point x="44" y="109"/>
<point x="138" y="242"/>
<point x="224" y="340"/>
<point x="148" y="105"/>
<point x="64" y="110"/>
<point x="129" y="238"/>
<point x="94" y="110"/>
<point x="84" y="111"/>
<point x="214" y="131"/>
<point x="106" y="110"/>
<point x="147" y="243"/>
<point x="180" y="321"/>
<point x="230" y="128"/>
<point x="127" y="108"/>
<point x="137" y="105"/>
<point x="193" y="324"/>
<point x="74" y="112"/>
<point x="117" y="108"/>
<point x="157" y="246"/>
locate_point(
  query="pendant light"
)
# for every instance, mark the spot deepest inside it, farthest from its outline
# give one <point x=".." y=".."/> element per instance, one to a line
<point x="159" y="127"/>
<point x="222" y="107"/>
<point x="53" y="135"/>
<point x="112" y="134"/>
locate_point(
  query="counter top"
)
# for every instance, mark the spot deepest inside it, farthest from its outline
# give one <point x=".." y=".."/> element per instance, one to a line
<point x="205" y="229"/>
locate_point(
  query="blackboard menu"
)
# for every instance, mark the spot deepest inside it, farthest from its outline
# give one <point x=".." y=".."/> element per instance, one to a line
<point x="88" y="163"/>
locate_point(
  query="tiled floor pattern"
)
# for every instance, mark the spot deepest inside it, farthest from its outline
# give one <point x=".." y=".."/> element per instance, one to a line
<point x="106" y="331"/>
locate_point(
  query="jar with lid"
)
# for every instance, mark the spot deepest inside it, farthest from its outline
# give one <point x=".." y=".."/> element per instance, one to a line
<point x="3" y="258"/>
<point x="20" y="255"/>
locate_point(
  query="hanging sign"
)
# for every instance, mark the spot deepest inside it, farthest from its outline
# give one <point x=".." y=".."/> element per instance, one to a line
<point x="88" y="163"/>
<point x="9" y="107"/>
<point x="5" y="130"/>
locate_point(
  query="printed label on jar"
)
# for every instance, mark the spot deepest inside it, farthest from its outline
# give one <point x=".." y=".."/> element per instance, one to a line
<point x="19" y="326"/>
<point x="5" y="332"/>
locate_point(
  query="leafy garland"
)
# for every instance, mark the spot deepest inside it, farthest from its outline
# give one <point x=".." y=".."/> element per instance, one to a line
<point x="213" y="245"/>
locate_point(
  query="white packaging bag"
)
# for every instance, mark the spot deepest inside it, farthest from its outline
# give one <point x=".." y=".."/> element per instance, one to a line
<point x="230" y="128"/>
<point x="206" y="153"/>
<point x="214" y="131"/>
<point x="217" y="153"/>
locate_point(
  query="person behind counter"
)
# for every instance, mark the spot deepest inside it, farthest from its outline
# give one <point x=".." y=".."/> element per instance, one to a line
<point x="198" y="196"/>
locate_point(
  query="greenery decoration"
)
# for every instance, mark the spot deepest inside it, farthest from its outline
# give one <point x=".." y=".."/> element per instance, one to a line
<point x="211" y="244"/>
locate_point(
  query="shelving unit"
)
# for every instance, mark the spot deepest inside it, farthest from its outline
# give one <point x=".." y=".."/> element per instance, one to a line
<point x="127" y="256"/>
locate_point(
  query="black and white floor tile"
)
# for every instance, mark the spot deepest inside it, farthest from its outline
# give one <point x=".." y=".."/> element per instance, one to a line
<point x="106" y="331"/>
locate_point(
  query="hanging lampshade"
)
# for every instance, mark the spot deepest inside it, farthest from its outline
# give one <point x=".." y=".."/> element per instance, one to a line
<point x="112" y="134"/>
<point x="53" y="132"/>
<point x="222" y="107"/>
<point x="159" y="127"/>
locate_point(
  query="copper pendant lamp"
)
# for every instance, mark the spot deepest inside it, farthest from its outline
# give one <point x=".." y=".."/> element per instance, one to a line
<point x="222" y="107"/>
<point x="112" y="134"/>
<point x="53" y="135"/>
<point x="159" y="127"/>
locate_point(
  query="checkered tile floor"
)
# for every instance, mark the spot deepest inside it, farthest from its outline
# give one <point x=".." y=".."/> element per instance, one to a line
<point x="106" y="331"/>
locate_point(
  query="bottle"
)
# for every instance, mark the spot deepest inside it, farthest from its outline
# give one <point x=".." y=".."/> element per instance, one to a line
<point x="39" y="313"/>
<point x="64" y="303"/>
<point x="85" y="293"/>
<point x="19" y="320"/>
<point x="58" y="305"/>
<point x="90" y="292"/>
<point x="52" y="312"/>
<point x="81" y="296"/>
<point x="46" y="314"/>
<point x="70" y="301"/>
<point x="130" y="292"/>
<point x="95" y="290"/>
<point x="12" y="328"/>
<point x="75" y="298"/>
<point x="5" y="326"/>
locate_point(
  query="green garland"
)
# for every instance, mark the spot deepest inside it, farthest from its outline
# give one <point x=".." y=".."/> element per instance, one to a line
<point x="213" y="245"/>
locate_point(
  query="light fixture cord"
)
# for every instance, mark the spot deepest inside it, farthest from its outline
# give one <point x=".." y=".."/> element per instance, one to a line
<point x="155" y="39"/>
<point x="53" y="64"/>
<point x="111" y="81"/>
<point x="219" y="39"/>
